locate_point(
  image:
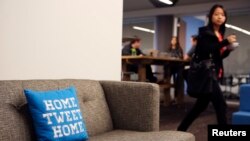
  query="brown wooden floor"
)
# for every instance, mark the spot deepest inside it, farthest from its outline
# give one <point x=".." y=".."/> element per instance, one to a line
<point x="172" y="115"/>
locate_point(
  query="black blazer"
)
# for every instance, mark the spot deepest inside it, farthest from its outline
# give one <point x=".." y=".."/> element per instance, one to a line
<point x="208" y="44"/>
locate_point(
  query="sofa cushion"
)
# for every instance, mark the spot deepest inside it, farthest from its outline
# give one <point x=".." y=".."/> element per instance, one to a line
<point x="56" y="114"/>
<point x="124" y="135"/>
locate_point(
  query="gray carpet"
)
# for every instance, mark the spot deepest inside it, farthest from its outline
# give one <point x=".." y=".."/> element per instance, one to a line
<point x="171" y="116"/>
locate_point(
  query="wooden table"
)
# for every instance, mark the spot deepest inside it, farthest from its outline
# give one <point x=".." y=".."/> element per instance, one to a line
<point x="142" y="61"/>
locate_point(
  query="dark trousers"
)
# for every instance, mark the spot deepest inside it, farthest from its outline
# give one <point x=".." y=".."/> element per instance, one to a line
<point x="201" y="104"/>
<point x="176" y="71"/>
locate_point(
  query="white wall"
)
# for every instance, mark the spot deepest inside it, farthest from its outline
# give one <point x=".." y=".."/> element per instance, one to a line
<point x="56" y="39"/>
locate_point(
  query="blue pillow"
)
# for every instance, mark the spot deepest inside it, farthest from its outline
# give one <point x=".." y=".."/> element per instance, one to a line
<point x="56" y="115"/>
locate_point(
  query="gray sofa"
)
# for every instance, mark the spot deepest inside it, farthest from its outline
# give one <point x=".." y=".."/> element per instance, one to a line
<point x="113" y="111"/>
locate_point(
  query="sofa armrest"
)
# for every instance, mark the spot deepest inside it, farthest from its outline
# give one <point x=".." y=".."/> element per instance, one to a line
<point x="133" y="105"/>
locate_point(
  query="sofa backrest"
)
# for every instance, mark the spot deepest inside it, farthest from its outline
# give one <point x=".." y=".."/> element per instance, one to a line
<point x="15" y="122"/>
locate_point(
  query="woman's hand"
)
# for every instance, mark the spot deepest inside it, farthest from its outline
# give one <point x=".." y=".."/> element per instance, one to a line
<point x="231" y="38"/>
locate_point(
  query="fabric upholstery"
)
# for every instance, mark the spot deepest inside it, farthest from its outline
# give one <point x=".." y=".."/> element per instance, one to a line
<point x="130" y="104"/>
<point x="13" y="124"/>
<point x="105" y="105"/>
<point x="123" y="135"/>
<point x="91" y="99"/>
<point x="245" y="97"/>
<point x="93" y="105"/>
<point x="242" y="116"/>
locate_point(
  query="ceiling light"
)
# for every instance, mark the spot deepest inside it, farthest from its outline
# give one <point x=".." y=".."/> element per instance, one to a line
<point x="238" y="29"/>
<point x="143" y="29"/>
<point x="169" y="2"/>
<point x="163" y="3"/>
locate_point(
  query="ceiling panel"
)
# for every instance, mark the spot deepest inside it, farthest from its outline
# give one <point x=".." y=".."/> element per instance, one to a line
<point x="144" y="8"/>
<point x="132" y="5"/>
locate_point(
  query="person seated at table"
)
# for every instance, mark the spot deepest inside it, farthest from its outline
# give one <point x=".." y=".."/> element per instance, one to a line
<point x="191" y="51"/>
<point x="174" y="50"/>
<point x="188" y="56"/>
<point x="133" y="48"/>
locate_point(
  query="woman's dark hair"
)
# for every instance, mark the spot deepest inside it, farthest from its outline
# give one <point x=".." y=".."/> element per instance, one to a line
<point x="178" y="46"/>
<point x="210" y="15"/>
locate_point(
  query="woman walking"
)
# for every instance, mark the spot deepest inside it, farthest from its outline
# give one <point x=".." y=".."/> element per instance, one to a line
<point x="212" y="45"/>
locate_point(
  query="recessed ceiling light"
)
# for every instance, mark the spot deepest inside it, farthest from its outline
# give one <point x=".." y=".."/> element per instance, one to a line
<point x="143" y="29"/>
<point x="163" y="3"/>
<point x="169" y="2"/>
<point x="238" y="29"/>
